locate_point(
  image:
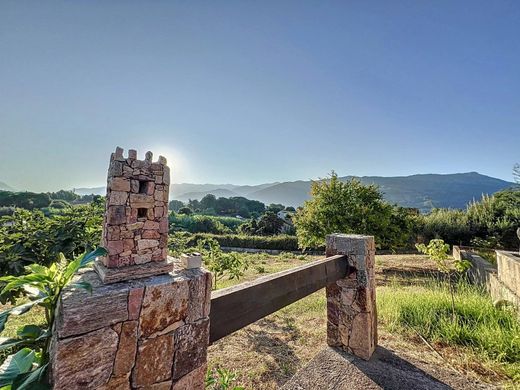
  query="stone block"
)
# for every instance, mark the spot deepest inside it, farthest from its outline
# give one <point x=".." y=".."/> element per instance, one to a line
<point x="113" y="233"/>
<point x="163" y="225"/>
<point x="200" y="283"/>
<point x="154" y="361"/>
<point x="151" y="225"/>
<point x="151" y="234"/>
<point x="125" y="356"/>
<point x="158" y="212"/>
<point x="80" y="312"/>
<point x="115" y="168"/>
<point x="115" y="247"/>
<point x="165" y="304"/>
<point x="118" y="198"/>
<point x="191" y="260"/>
<point x="117" y="383"/>
<point x="84" y="362"/>
<point x="135" y="299"/>
<point x="191" y="342"/>
<point x="194" y="380"/>
<point x="141" y="201"/>
<point x="166" y="175"/>
<point x="116" y="215"/>
<point x="146" y="244"/>
<point x="119" y="184"/>
<point x="118" y="274"/>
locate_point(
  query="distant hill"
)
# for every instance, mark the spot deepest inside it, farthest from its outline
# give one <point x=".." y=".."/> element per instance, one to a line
<point x="423" y="192"/>
<point x="5" y="187"/>
<point x="90" y="191"/>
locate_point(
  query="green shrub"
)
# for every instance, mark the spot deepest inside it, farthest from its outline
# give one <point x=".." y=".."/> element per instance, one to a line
<point x="28" y="237"/>
<point x="491" y="222"/>
<point x="26" y="367"/>
<point x="203" y="223"/>
<point x="280" y="242"/>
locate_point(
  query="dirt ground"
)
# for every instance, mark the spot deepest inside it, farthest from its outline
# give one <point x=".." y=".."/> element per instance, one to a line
<point x="266" y="354"/>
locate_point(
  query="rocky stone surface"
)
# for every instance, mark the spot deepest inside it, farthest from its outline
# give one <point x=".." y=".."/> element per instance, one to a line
<point x="87" y="360"/>
<point x="147" y="333"/>
<point x="351" y="302"/>
<point x="135" y="231"/>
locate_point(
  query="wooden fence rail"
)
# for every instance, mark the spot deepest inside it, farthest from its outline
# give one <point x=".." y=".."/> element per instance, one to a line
<point x="238" y="306"/>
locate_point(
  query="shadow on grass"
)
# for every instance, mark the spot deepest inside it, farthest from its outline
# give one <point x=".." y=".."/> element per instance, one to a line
<point x="338" y="370"/>
<point x="273" y="339"/>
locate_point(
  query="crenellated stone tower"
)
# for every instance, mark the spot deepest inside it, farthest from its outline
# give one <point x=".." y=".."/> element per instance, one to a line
<point x="151" y="329"/>
<point x="135" y="227"/>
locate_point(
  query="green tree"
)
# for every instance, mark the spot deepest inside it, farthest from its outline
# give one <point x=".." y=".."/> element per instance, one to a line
<point x="437" y="250"/>
<point x="219" y="263"/>
<point x="345" y="207"/>
<point x="275" y="207"/>
<point x="68" y="196"/>
<point x="185" y="210"/>
<point x="175" y="205"/>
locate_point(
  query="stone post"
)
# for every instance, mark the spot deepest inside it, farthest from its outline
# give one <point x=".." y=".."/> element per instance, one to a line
<point x="150" y="330"/>
<point x="351" y="302"/>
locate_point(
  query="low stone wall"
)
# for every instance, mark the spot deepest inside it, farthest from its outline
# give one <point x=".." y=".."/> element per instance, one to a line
<point x="496" y="280"/>
<point x="508" y="265"/>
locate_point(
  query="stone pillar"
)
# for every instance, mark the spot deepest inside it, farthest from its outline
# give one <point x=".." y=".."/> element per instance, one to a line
<point x="143" y="332"/>
<point x="351" y="302"/>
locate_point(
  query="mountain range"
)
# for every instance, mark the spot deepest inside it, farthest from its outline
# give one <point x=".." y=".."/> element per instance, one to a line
<point x="423" y="191"/>
<point x="5" y="187"/>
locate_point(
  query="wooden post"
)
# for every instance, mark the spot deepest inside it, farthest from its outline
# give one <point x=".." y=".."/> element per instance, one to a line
<point x="351" y="302"/>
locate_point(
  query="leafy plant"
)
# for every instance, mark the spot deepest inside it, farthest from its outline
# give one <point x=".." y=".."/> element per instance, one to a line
<point x="437" y="250"/>
<point x="42" y="286"/>
<point x="221" y="379"/>
<point x="219" y="263"/>
<point x="28" y="237"/>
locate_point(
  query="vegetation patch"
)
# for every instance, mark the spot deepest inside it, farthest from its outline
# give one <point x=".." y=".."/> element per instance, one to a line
<point x="492" y="334"/>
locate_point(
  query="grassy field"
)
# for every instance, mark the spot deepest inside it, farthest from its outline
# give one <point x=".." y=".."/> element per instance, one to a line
<point x="413" y="306"/>
<point x="414" y="310"/>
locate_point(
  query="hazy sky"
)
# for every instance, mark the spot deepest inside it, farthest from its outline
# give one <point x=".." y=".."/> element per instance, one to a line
<point x="256" y="91"/>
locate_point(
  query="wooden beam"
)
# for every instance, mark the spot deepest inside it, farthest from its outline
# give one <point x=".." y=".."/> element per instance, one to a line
<point x="237" y="306"/>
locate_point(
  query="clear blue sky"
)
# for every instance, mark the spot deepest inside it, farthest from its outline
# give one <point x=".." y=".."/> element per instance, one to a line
<point x="256" y="91"/>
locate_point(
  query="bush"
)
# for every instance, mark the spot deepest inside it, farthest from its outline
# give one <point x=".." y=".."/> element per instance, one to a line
<point x="201" y="223"/>
<point x="281" y="242"/>
<point x="493" y="220"/>
<point x="350" y="207"/>
<point x="28" y="237"/>
<point x="59" y="204"/>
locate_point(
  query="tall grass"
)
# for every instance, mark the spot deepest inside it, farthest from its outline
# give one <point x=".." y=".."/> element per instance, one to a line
<point x="492" y="333"/>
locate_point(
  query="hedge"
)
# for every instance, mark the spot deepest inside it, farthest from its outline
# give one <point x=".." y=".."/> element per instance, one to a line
<point x="281" y="242"/>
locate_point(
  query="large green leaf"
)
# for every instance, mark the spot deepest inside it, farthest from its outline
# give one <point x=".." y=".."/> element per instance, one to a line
<point x="30" y="332"/>
<point x="81" y="262"/>
<point x="19" y="363"/>
<point x="84" y="285"/>
<point x="6" y="343"/>
<point x="33" y="380"/>
<point x="89" y="257"/>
